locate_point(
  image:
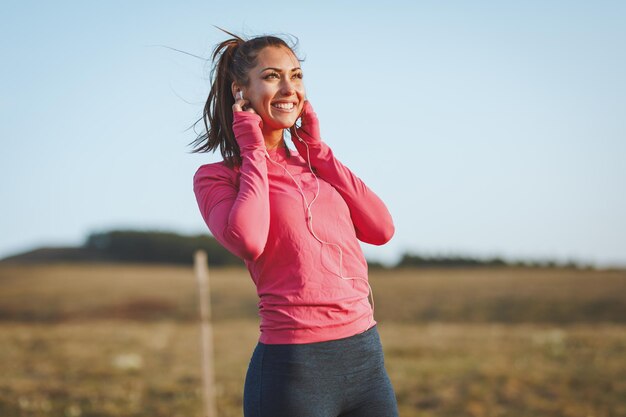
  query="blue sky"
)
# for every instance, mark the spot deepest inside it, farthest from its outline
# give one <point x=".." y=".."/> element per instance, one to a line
<point x="489" y="128"/>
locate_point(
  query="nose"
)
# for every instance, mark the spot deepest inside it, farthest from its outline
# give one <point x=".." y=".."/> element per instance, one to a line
<point x="287" y="87"/>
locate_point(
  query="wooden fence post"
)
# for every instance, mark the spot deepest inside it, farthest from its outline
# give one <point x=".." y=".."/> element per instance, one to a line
<point x="208" y="378"/>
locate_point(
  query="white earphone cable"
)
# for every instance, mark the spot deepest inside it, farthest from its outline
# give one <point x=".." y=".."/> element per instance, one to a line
<point x="309" y="217"/>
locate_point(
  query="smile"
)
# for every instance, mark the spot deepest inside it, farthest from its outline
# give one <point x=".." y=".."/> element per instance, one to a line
<point x="285" y="107"/>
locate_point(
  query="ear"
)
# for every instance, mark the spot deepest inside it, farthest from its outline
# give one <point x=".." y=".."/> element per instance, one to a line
<point x="234" y="88"/>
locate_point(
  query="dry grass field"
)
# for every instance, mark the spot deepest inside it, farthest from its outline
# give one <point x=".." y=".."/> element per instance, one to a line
<point x="124" y="340"/>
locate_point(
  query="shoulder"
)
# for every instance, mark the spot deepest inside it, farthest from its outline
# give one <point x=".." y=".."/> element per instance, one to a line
<point x="217" y="171"/>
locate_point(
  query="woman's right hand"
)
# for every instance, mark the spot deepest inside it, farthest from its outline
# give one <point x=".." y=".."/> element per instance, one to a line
<point x="246" y="127"/>
<point x="242" y="105"/>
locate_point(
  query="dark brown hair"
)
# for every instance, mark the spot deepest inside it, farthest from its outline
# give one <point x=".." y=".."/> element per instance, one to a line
<point x="232" y="60"/>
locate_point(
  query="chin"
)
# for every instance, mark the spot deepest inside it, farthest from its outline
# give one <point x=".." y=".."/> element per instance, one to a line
<point x="282" y="123"/>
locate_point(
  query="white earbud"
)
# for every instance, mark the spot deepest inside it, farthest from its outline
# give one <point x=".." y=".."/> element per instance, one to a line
<point x="239" y="95"/>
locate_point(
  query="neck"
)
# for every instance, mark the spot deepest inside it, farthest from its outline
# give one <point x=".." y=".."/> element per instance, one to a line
<point x="273" y="138"/>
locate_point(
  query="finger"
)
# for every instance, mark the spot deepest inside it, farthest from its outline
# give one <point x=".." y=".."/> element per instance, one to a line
<point x="247" y="107"/>
<point x="239" y="104"/>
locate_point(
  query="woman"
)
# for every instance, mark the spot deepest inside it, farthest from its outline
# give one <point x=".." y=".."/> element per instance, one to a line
<point x="295" y="218"/>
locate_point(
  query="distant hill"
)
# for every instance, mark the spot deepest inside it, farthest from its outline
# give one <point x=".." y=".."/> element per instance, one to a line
<point x="174" y="248"/>
<point x="56" y="254"/>
<point x="132" y="246"/>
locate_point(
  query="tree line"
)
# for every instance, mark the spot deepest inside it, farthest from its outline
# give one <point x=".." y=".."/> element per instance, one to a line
<point x="175" y="248"/>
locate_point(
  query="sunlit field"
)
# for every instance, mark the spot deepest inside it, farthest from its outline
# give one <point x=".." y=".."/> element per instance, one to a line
<point x="124" y="340"/>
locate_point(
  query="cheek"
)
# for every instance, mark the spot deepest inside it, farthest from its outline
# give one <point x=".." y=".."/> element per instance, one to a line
<point x="253" y="96"/>
<point x="256" y="93"/>
<point x="263" y="97"/>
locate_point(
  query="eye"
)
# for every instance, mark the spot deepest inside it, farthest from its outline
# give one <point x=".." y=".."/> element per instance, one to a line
<point x="298" y="75"/>
<point x="271" y="75"/>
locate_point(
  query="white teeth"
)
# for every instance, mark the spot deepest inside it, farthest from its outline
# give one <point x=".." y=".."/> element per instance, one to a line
<point x="285" y="106"/>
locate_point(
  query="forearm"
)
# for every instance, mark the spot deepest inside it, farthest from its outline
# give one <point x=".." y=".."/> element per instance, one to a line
<point x="372" y="221"/>
<point x="236" y="206"/>
<point x="242" y="224"/>
<point x="370" y="216"/>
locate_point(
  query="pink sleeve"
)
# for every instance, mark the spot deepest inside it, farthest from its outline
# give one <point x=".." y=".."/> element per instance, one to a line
<point x="235" y="206"/>
<point x="371" y="218"/>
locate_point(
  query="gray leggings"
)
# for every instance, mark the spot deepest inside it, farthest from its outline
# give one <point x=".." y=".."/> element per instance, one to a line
<point x="337" y="378"/>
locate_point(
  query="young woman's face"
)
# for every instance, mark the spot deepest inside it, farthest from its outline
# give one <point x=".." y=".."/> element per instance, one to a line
<point x="275" y="89"/>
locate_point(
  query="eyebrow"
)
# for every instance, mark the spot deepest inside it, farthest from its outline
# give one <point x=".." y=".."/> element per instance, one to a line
<point x="278" y="69"/>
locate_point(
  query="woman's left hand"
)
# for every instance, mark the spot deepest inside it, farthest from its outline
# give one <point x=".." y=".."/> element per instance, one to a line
<point x="309" y="130"/>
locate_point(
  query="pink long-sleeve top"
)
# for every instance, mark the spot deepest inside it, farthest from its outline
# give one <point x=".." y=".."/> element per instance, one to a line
<point x="257" y="212"/>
